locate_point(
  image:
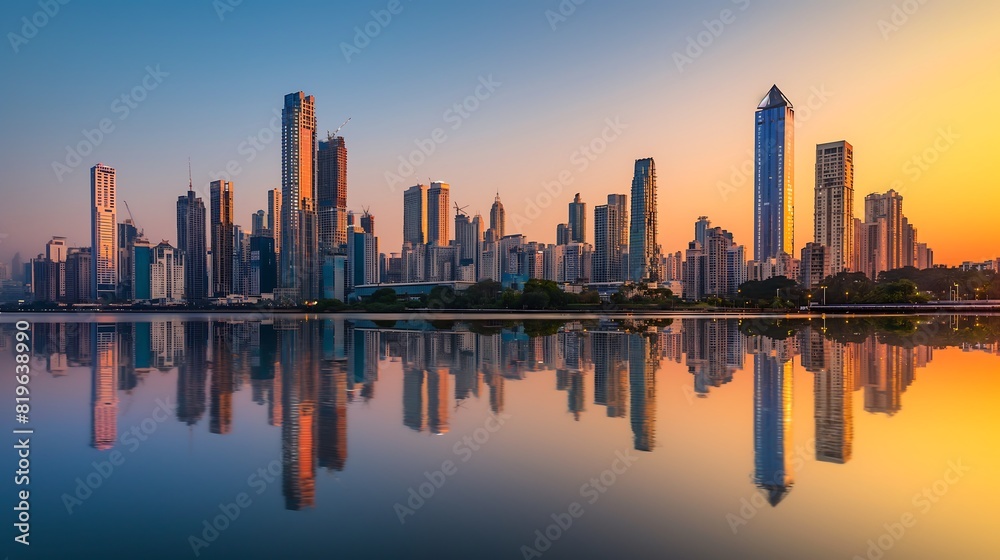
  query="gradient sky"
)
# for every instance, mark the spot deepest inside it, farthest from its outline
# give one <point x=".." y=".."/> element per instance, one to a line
<point x="892" y="93"/>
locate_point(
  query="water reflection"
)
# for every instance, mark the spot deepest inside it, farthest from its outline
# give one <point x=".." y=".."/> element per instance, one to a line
<point x="307" y="372"/>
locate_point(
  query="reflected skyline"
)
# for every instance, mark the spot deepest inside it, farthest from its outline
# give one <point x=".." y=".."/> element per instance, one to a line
<point x="309" y="373"/>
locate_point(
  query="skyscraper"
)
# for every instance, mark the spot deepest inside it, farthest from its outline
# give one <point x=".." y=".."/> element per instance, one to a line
<point x="127" y="234"/>
<point x="274" y="217"/>
<point x="368" y="222"/>
<point x="834" y="208"/>
<point x="222" y="237"/>
<point x="192" y="242"/>
<point x="298" y="195"/>
<point x="577" y="220"/>
<point x="610" y="239"/>
<point x="331" y="187"/>
<point x="55" y="254"/>
<point x="498" y="218"/>
<point x="643" y="260"/>
<point x="257" y="221"/>
<point x="880" y="238"/>
<point x="438" y="213"/>
<point x="415" y="215"/>
<point x="774" y="165"/>
<point x="563" y="234"/>
<point x="469" y="237"/>
<point x="166" y="274"/>
<point x="103" y="232"/>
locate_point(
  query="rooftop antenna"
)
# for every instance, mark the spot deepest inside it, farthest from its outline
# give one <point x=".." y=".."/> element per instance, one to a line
<point x="190" y="181"/>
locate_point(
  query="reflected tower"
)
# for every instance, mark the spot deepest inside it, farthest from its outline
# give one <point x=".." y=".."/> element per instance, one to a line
<point x="772" y="421"/>
<point x="104" y="420"/>
<point x="192" y="374"/>
<point x="643" y="361"/>
<point x="222" y="380"/>
<point x="299" y="343"/>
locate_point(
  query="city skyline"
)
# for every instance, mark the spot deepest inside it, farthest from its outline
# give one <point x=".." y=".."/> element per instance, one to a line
<point x="928" y="154"/>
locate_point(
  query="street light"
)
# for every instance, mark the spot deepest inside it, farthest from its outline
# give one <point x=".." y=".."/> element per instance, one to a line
<point x="824" y="294"/>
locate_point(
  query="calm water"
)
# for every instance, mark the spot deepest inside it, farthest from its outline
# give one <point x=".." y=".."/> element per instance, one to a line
<point x="282" y="437"/>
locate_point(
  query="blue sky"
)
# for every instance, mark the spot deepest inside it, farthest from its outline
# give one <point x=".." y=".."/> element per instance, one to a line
<point x="224" y="77"/>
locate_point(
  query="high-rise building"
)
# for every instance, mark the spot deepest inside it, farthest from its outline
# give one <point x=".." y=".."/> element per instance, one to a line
<point x="127" y="234"/>
<point x="167" y="274"/>
<point x="222" y="237"/>
<point x="331" y="193"/>
<point x="415" y="215"/>
<point x="55" y="253"/>
<point x="438" y="213"/>
<point x="78" y="270"/>
<point x="563" y="234"/>
<point x="257" y="221"/>
<point x="17" y="269"/>
<point x="701" y="228"/>
<point x="141" y="272"/>
<point x="879" y="240"/>
<point x="577" y="220"/>
<point x="274" y="217"/>
<point x="362" y="257"/>
<point x="715" y="266"/>
<point x="774" y="165"/>
<point x="469" y="237"/>
<point x="192" y="242"/>
<point x="833" y="222"/>
<point x="368" y="222"/>
<point x="643" y="258"/>
<point x="299" y="252"/>
<point x="610" y="239"/>
<point x="816" y="264"/>
<point x="263" y="274"/>
<point x="103" y="232"/>
<point x="498" y="218"/>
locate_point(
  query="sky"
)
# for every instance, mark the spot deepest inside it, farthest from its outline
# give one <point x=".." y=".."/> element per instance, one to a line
<point x="509" y="97"/>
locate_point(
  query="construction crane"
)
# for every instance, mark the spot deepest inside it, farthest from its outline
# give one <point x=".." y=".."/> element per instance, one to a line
<point x="142" y="232"/>
<point x="330" y="136"/>
<point x="460" y="210"/>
